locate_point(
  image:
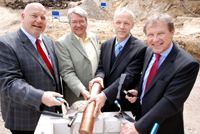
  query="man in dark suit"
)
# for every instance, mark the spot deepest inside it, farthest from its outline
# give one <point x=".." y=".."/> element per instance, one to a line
<point x="27" y="84"/>
<point x="113" y="63"/>
<point x="162" y="98"/>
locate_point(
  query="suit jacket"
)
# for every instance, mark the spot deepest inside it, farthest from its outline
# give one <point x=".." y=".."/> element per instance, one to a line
<point x="129" y="61"/>
<point x="167" y="92"/>
<point x="74" y="65"/>
<point x="24" y="77"/>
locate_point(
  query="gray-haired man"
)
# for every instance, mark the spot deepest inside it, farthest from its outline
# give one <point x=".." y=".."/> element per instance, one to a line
<point x="78" y="54"/>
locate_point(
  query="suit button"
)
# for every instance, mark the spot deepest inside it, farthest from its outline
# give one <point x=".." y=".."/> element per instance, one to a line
<point x="54" y="84"/>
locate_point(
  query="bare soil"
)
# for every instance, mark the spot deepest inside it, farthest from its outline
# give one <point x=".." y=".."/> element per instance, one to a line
<point x="187" y="34"/>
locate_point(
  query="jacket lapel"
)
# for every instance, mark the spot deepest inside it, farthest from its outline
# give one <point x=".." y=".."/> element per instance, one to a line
<point x="164" y="66"/>
<point x="77" y="44"/>
<point x="95" y="47"/>
<point x="124" y="52"/>
<point x="147" y="59"/>
<point x="108" y="56"/>
<point x="31" y="49"/>
<point x="50" y="52"/>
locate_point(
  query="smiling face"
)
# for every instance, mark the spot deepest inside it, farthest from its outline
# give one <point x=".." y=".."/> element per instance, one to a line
<point x="123" y="25"/>
<point x="34" y="19"/>
<point x="158" y="36"/>
<point x="78" y="25"/>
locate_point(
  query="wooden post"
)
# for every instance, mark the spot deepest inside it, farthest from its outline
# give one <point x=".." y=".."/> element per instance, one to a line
<point x="4" y="2"/>
<point x="88" y="119"/>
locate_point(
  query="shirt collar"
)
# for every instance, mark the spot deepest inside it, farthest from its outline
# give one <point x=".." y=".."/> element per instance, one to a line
<point x="87" y="37"/>
<point x="166" y="52"/>
<point x="123" y="42"/>
<point x="31" y="38"/>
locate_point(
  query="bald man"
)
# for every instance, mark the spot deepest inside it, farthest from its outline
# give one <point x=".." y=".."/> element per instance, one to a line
<point x="29" y="79"/>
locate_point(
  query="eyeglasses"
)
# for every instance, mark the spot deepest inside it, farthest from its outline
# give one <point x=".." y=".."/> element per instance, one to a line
<point x="80" y="22"/>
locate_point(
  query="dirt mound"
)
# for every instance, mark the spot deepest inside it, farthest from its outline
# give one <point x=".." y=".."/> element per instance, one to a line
<point x="184" y="13"/>
<point x="187" y="34"/>
<point x="54" y="4"/>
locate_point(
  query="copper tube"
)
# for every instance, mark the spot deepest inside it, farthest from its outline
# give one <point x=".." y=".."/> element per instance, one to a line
<point x="88" y="119"/>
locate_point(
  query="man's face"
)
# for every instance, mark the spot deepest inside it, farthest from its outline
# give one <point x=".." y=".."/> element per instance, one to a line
<point x="159" y="37"/>
<point x="34" y="20"/>
<point x="123" y="25"/>
<point x="78" y="25"/>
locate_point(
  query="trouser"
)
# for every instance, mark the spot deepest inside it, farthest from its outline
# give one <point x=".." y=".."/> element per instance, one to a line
<point x="21" y="132"/>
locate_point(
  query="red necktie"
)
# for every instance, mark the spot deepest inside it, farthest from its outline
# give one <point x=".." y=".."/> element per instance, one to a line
<point x="44" y="57"/>
<point x="152" y="71"/>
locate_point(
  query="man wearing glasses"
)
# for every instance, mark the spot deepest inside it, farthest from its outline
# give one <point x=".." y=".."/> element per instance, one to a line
<point x="78" y="54"/>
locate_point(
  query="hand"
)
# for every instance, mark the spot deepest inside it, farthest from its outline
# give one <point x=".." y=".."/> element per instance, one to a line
<point x="132" y="99"/>
<point x="100" y="100"/>
<point x="85" y="94"/>
<point x="48" y="98"/>
<point x="96" y="80"/>
<point x="128" y="128"/>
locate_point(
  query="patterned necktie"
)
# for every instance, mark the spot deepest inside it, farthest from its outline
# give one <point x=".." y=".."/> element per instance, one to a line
<point x="152" y="71"/>
<point x="118" y="48"/>
<point x="44" y="57"/>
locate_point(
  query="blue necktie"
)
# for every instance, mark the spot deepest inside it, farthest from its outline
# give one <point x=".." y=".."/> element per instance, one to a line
<point x="118" y="48"/>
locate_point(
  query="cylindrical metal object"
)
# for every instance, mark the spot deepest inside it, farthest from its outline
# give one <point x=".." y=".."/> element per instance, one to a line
<point x="154" y="129"/>
<point x="88" y="119"/>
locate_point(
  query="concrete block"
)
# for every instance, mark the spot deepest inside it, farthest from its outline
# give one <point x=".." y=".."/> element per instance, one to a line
<point x="105" y="123"/>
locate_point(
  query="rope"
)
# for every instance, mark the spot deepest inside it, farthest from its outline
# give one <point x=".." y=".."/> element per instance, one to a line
<point x="189" y="10"/>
